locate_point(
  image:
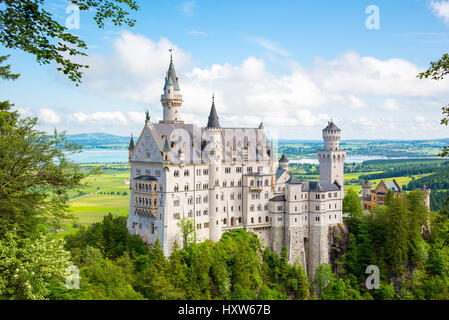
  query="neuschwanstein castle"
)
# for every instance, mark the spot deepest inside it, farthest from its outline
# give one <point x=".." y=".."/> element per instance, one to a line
<point x="230" y="178"/>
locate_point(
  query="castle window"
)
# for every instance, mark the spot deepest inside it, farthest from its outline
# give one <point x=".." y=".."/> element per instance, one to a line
<point x="238" y="170"/>
<point x="205" y="212"/>
<point x="266" y="195"/>
<point x="152" y="228"/>
<point x="260" y="219"/>
<point x="176" y="173"/>
<point x="227" y="170"/>
<point x="329" y="195"/>
<point x="216" y="209"/>
<point x="317" y="196"/>
<point x="198" y="172"/>
<point x="232" y="183"/>
<point x="205" y="199"/>
<point x="266" y="207"/>
<point x="186" y="173"/>
<point x="251" y="183"/>
<point x="158" y="173"/>
<point x="249" y="169"/>
<point x="266" y="182"/>
<point x="205" y="172"/>
<point x="335" y="194"/>
<point x="251" y="208"/>
<point x="240" y="219"/>
<point x="186" y="187"/>
<point x="259" y="207"/>
<point x="225" y="221"/>
<point x="190" y="214"/>
<point x="232" y="196"/>
<point x="267" y="219"/>
<point x="239" y="183"/>
<point x="252" y="220"/>
<point x="317" y="218"/>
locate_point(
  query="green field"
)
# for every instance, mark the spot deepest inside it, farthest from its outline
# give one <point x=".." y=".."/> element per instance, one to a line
<point x="106" y="192"/>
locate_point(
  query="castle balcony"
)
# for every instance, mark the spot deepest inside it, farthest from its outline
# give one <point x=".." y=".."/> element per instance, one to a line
<point x="146" y="211"/>
<point x="255" y="189"/>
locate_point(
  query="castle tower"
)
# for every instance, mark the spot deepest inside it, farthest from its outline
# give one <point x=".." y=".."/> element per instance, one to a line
<point x="172" y="98"/>
<point x="283" y="162"/>
<point x="427" y="191"/>
<point x="214" y="157"/>
<point x="366" y="189"/>
<point x="331" y="158"/>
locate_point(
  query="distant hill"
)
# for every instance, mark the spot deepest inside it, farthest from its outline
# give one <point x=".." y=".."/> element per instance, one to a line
<point x="99" y="141"/>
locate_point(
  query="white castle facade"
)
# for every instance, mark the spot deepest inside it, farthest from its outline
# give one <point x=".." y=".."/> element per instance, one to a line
<point x="230" y="178"/>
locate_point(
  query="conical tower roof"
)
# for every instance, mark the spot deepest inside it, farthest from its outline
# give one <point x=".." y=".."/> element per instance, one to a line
<point x="171" y="78"/>
<point x="131" y="144"/>
<point x="283" y="159"/>
<point x="213" y="117"/>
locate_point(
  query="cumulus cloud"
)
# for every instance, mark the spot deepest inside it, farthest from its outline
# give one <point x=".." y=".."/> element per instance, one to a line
<point x="100" y="117"/>
<point x="441" y="10"/>
<point x="49" y="116"/>
<point x="248" y="93"/>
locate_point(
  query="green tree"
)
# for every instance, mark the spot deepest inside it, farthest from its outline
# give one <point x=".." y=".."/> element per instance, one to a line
<point x="31" y="267"/>
<point x="26" y="25"/>
<point x="438" y="70"/>
<point x="353" y="206"/>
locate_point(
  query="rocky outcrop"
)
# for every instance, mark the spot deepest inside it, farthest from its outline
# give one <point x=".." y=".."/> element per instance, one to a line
<point x="338" y="239"/>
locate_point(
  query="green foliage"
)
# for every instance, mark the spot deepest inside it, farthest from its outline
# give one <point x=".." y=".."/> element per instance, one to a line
<point x="35" y="174"/>
<point x="31" y="267"/>
<point x="26" y="25"/>
<point x="353" y="206"/>
<point x="331" y="288"/>
<point x="110" y="236"/>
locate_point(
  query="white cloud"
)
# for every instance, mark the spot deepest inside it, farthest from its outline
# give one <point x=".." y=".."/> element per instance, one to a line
<point x="197" y="33"/>
<point x="248" y="93"/>
<point x="188" y="7"/>
<point x="441" y="10"/>
<point x="49" y="116"/>
<point x="137" y="117"/>
<point x="104" y="118"/>
<point x="390" y="105"/>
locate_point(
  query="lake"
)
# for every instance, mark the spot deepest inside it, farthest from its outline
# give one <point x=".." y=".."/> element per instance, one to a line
<point x="111" y="156"/>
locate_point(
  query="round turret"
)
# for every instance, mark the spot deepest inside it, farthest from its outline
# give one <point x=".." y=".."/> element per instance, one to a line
<point x="283" y="162"/>
<point x="331" y="136"/>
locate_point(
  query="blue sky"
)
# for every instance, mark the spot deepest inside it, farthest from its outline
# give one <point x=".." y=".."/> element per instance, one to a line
<point x="290" y="64"/>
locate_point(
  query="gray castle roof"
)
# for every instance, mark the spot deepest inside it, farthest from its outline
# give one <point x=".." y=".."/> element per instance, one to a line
<point x="146" y="178"/>
<point x="166" y="146"/>
<point x="279" y="172"/>
<point x="279" y="198"/>
<point x="332" y="127"/>
<point x="283" y="159"/>
<point x="393" y="186"/>
<point x="171" y="78"/>
<point x="213" y="117"/>
<point x="131" y="144"/>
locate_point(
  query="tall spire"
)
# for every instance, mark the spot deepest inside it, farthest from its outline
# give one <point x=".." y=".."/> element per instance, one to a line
<point x="172" y="98"/>
<point x="131" y="143"/>
<point x="213" y="117"/>
<point x="171" y="78"/>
